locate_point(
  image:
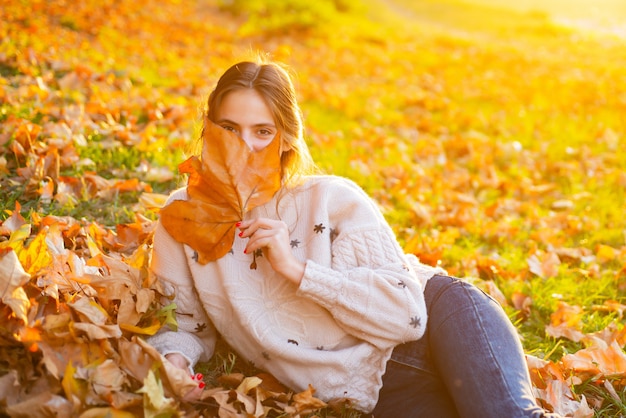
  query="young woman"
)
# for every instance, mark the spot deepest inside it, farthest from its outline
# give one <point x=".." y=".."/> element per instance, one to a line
<point x="316" y="290"/>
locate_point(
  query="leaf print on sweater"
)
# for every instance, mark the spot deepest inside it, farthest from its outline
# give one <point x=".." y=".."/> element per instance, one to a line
<point x="415" y="322"/>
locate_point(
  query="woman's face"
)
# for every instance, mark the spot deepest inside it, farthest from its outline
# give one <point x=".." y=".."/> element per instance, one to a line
<point x="245" y="113"/>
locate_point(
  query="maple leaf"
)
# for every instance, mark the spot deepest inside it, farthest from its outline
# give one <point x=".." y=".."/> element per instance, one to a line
<point x="230" y="180"/>
<point x="155" y="402"/>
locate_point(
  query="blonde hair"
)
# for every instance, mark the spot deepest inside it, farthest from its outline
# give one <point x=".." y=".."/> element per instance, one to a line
<point x="273" y="82"/>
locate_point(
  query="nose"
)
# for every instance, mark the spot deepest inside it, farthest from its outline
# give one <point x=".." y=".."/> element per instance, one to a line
<point x="247" y="138"/>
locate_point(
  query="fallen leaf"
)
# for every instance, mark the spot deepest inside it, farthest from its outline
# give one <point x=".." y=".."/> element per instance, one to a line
<point x="544" y="264"/>
<point x="597" y="361"/>
<point x="155" y="402"/>
<point x="566" y="322"/>
<point x="305" y="401"/>
<point x="43" y="405"/>
<point x="12" y="278"/>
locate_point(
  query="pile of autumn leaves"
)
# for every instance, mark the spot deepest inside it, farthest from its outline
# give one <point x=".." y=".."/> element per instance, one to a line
<point x="73" y="322"/>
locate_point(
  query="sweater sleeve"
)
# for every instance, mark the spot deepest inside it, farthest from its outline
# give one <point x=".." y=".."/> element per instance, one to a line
<point x="371" y="288"/>
<point x="195" y="337"/>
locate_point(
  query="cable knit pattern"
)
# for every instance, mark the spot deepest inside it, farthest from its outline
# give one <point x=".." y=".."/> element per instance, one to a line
<point x="359" y="297"/>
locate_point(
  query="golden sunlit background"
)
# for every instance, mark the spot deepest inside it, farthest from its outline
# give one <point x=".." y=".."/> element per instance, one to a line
<point x="602" y="16"/>
<point x="490" y="132"/>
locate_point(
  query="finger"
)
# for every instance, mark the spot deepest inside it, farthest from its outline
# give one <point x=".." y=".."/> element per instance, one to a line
<point x="259" y="242"/>
<point x="249" y="229"/>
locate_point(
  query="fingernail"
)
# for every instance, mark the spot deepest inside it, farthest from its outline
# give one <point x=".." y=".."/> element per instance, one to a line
<point x="241" y="233"/>
<point x="245" y="251"/>
<point x="199" y="376"/>
<point x="238" y="224"/>
<point x="201" y="385"/>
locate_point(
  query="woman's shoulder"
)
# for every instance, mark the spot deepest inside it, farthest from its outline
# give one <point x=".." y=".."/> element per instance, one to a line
<point x="330" y="184"/>
<point x="340" y="194"/>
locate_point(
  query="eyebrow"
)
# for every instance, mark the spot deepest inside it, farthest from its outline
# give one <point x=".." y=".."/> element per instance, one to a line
<point x="258" y="125"/>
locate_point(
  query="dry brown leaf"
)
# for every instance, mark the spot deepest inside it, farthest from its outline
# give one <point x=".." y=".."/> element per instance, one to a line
<point x="566" y="322"/>
<point x="43" y="405"/>
<point x="544" y="264"/>
<point x="234" y="404"/>
<point x="12" y="278"/>
<point x="107" y="378"/>
<point x="13" y="222"/>
<point x="230" y="180"/>
<point x="134" y="360"/>
<point x="108" y="412"/>
<point x="560" y="399"/>
<point x="305" y="401"/>
<point x="179" y="380"/>
<point x="597" y="360"/>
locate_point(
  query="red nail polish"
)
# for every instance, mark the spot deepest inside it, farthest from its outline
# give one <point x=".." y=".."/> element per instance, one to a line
<point x="245" y="251"/>
<point x="201" y="385"/>
<point x="238" y="224"/>
<point x="241" y="233"/>
<point x="199" y="376"/>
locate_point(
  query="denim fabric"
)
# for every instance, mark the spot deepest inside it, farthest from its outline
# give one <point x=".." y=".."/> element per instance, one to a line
<point x="470" y="362"/>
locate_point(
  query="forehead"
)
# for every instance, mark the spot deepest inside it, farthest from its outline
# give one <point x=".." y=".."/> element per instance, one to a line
<point x="244" y="105"/>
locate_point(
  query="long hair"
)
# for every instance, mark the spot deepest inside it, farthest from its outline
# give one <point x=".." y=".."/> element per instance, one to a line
<point x="272" y="81"/>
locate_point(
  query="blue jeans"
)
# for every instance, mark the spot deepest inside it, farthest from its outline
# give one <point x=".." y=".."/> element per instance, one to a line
<point x="470" y="362"/>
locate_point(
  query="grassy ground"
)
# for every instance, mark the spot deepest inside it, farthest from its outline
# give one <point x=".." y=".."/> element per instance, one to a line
<point x="493" y="139"/>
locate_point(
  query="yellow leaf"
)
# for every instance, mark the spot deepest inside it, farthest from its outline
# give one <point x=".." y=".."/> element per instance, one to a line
<point x="36" y="257"/>
<point x="604" y="253"/>
<point x="75" y="389"/>
<point x="149" y="330"/>
<point x="17" y="238"/>
<point x="155" y="402"/>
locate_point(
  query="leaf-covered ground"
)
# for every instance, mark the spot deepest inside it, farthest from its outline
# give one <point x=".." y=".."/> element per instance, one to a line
<point x="493" y="139"/>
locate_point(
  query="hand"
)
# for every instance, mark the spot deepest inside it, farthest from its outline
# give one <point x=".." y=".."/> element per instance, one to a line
<point x="273" y="238"/>
<point x="178" y="360"/>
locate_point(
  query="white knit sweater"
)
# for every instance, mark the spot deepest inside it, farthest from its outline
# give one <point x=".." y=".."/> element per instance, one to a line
<point x="360" y="295"/>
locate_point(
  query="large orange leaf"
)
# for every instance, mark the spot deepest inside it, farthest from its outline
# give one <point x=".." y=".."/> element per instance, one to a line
<point x="229" y="181"/>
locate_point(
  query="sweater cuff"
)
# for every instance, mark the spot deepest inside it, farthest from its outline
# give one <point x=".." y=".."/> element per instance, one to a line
<point x="320" y="284"/>
<point x="178" y="342"/>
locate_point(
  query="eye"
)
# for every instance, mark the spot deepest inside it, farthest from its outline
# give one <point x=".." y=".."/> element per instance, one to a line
<point x="229" y="128"/>
<point x="265" y="132"/>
